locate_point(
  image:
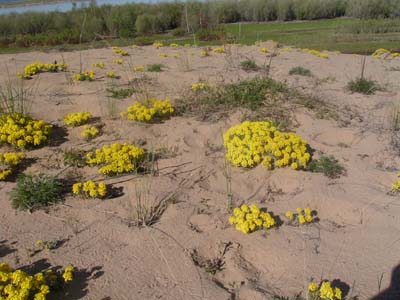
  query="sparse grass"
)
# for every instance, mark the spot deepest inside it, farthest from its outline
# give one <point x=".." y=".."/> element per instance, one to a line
<point x="35" y="191"/>
<point x="363" y="86"/>
<point x="251" y="94"/>
<point x="249" y="65"/>
<point x="16" y="96"/>
<point x="155" y="68"/>
<point x="300" y="71"/>
<point x="327" y="165"/>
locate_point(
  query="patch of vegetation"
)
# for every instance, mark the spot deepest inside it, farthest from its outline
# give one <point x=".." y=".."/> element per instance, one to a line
<point x="74" y="158"/>
<point x="249" y="65"/>
<point x="363" y="86"/>
<point x="35" y="191"/>
<point x="120" y="93"/>
<point x="155" y="68"/>
<point x="300" y="71"/>
<point x="327" y="165"/>
<point x="251" y="94"/>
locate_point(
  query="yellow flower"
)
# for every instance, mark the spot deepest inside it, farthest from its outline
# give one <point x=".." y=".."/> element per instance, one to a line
<point x="289" y="215"/>
<point x="312" y="287"/>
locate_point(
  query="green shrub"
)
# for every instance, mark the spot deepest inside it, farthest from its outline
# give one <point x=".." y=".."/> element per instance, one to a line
<point x="211" y="33"/>
<point x="35" y="191"/>
<point x="327" y="165"/>
<point x="363" y="86"/>
<point x="120" y="93"/>
<point x="178" y="32"/>
<point x="74" y="158"/>
<point x="249" y="65"/>
<point x="300" y="71"/>
<point x="155" y="68"/>
<point x="146" y="24"/>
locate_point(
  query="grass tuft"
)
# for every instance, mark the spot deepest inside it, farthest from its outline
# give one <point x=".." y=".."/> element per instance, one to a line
<point x="363" y="86"/>
<point x="300" y="71"/>
<point x="155" y="68"/>
<point x="249" y="65"/>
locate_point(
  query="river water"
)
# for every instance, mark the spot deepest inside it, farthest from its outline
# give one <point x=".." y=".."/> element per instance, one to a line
<point x="66" y="6"/>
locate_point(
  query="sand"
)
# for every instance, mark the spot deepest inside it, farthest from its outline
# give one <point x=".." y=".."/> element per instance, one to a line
<point x="356" y="240"/>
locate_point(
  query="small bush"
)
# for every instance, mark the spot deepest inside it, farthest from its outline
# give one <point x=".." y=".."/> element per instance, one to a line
<point x="74" y="158"/>
<point x="300" y="71"/>
<point x="249" y="65"/>
<point x="143" y="41"/>
<point x="155" y="68"/>
<point x="120" y="93"/>
<point x="211" y="34"/>
<point x="363" y="86"/>
<point x="327" y="165"/>
<point x="178" y="31"/>
<point x="35" y="191"/>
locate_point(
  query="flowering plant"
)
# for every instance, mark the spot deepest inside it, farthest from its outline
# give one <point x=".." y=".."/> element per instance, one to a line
<point x="251" y="143"/>
<point x="248" y="219"/>
<point x="111" y="74"/>
<point x="90" y="132"/>
<point x="90" y="189"/>
<point x="22" y="131"/>
<point x="158" y="44"/>
<point x="301" y="216"/>
<point x="119" y="50"/>
<point x="19" y="285"/>
<point x="219" y="50"/>
<point x="149" y="110"/>
<point x="396" y="184"/>
<point x="77" y="118"/>
<point x="116" y="158"/>
<point x="38" y="67"/>
<point x="198" y="86"/>
<point x="323" y="291"/>
<point x="84" y="76"/>
<point x="99" y="64"/>
<point x="8" y="162"/>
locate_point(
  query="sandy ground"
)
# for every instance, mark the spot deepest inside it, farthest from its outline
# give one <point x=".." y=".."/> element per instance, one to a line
<point x="356" y="241"/>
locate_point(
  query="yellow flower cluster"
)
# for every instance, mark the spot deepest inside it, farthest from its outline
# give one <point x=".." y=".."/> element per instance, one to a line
<point x="8" y="162"/>
<point x="120" y="51"/>
<point x="219" y="50"/>
<point x="77" y="119"/>
<point x="187" y="45"/>
<point x="90" y="132"/>
<point x="324" y="291"/>
<point x="396" y="184"/>
<point x="204" y="53"/>
<point x="301" y="217"/>
<point x="163" y="54"/>
<point x="320" y="54"/>
<point x="149" y="110"/>
<point x="22" y="131"/>
<point x="116" y="158"/>
<point x="384" y="53"/>
<point x="111" y="74"/>
<point x="248" y="219"/>
<point x="158" y="44"/>
<point x="118" y="61"/>
<point x="18" y="285"/>
<point x="264" y="50"/>
<point x="90" y="189"/>
<point x="138" y="68"/>
<point x="38" y="67"/>
<point x="198" y="86"/>
<point x="174" y="45"/>
<point x="99" y="64"/>
<point x="251" y="143"/>
<point x="68" y="274"/>
<point x="84" y="76"/>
